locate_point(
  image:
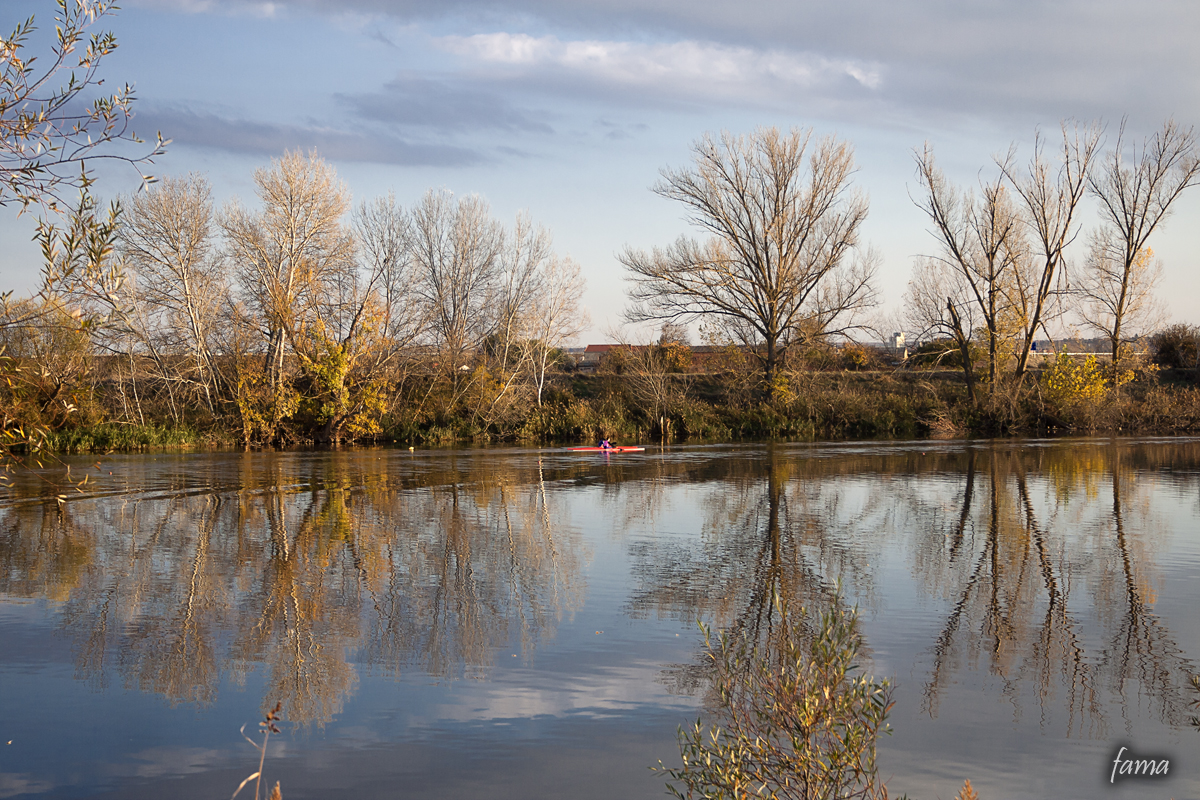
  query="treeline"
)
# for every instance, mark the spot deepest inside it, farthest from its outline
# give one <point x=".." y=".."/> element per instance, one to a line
<point x="307" y="320"/>
<point x="283" y="323"/>
<point x="780" y="269"/>
<point x="1002" y="272"/>
<point x="858" y="391"/>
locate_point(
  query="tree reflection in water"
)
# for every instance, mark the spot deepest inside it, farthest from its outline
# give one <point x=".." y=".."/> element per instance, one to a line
<point x="1052" y="593"/>
<point x="311" y="560"/>
<point x="780" y="535"/>
<point x="310" y="568"/>
<point x="1048" y="591"/>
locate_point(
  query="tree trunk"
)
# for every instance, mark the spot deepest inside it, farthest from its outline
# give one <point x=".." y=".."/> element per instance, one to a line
<point x="771" y="366"/>
<point x="1116" y="353"/>
<point x="964" y="349"/>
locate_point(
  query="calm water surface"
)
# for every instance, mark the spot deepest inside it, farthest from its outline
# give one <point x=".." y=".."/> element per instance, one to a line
<point x="519" y="623"/>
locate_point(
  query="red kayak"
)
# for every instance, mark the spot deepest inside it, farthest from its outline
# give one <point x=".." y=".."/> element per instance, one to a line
<point x="608" y="449"/>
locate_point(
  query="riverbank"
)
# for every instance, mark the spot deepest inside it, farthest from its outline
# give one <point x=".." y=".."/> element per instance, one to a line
<point x="812" y="405"/>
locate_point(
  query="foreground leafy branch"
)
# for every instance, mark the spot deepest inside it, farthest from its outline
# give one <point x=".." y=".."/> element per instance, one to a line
<point x="51" y="125"/>
<point x="795" y="717"/>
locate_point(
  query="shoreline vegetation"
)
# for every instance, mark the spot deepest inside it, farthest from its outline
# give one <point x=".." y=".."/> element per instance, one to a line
<point x="628" y="403"/>
<point x="164" y="322"/>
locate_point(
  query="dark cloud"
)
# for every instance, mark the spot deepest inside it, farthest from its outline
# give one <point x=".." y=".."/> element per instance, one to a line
<point x="245" y="136"/>
<point x="379" y="36"/>
<point x="924" y="29"/>
<point x="444" y="106"/>
<point x="617" y="131"/>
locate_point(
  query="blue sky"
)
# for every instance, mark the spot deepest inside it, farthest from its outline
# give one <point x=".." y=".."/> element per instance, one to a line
<point x="570" y="108"/>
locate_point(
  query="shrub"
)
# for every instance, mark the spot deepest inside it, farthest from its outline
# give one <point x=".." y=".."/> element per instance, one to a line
<point x="855" y="356"/>
<point x="779" y="389"/>
<point x="700" y="421"/>
<point x="1177" y="346"/>
<point x="1166" y="409"/>
<point x="1067" y="385"/>
<point x="109" y="437"/>
<point x="943" y="354"/>
<point x="818" y="355"/>
<point x="794" y="718"/>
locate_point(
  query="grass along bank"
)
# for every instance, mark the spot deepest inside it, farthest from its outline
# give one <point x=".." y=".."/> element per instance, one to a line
<point x="806" y="405"/>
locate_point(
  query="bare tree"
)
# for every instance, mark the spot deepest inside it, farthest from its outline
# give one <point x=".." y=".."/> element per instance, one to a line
<point x="523" y="258"/>
<point x="940" y="302"/>
<point x="1135" y="197"/>
<point x="1050" y="198"/>
<point x="457" y="248"/>
<point x="674" y="333"/>
<point x="362" y="327"/>
<point x="554" y="317"/>
<point x="783" y="228"/>
<point x="384" y="232"/>
<point x="983" y="246"/>
<point x="1117" y="300"/>
<point x="83" y="266"/>
<point x="167" y="240"/>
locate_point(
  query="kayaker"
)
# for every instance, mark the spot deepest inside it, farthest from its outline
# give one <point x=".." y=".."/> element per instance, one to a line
<point x="605" y="445"/>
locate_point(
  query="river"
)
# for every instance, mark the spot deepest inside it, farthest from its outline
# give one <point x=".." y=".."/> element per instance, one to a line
<point x="522" y="623"/>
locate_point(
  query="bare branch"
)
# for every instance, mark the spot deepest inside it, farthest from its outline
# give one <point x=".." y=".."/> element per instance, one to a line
<point x="1135" y="197"/>
<point x="1050" y="198"/>
<point x="783" y="228"/>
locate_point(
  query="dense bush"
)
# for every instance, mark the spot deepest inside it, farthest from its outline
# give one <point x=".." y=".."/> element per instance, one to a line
<point x="1177" y="346"/>
<point x="795" y="716"/>
<point x="1164" y="409"/>
<point x="1068" y="383"/>
<point x="855" y="356"/>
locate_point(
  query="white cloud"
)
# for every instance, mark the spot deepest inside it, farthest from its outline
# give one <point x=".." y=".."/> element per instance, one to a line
<point x="692" y="66"/>
<point x="265" y="9"/>
<point x="603" y="690"/>
<point x="16" y="783"/>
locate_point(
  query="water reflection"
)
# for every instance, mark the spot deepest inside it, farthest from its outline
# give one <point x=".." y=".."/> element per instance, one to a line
<point x="1037" y="590"/>
<point x="1052" y="594"/>
<point x="1049" y="593"/>
<point x="313" y="559"/>
<point x="763" y="537"/>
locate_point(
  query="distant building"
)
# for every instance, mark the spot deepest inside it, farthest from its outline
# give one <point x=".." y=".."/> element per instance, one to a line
<point x="1046" y="349"/>
<point x="589" y="359"/>
<point x="706" y="358"/>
